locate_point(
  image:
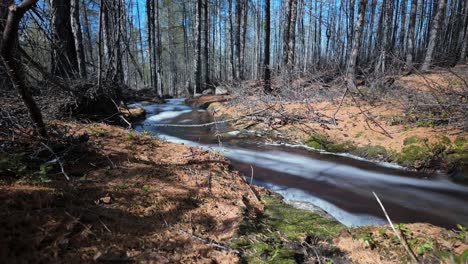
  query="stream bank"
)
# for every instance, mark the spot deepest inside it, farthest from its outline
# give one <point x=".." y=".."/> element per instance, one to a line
<point x="422" y="148"/>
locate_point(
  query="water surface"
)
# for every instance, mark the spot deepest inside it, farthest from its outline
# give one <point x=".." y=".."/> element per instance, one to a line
<point x="340" y="185"/>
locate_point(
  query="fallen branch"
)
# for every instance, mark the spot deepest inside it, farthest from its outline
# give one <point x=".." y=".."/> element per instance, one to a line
<point x="402" y="241"/>
<point x="57" y="159"/>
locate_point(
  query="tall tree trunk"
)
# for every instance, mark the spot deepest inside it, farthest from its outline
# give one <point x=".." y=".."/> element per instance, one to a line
<point x="158" y="45"/>
<point x="4" y="5"/>
<point x="197" y="57"/>
<point x="64" y="59"/>
<point x="289" y="33"/>
<point x="410" y="38"/>
<point x="433" y="35"/>
<point x="239" y="6"/>
<point x="231" y="40"/>
<point x="76" y="27"/>
<point x="9" y="54"/>
<point x="403" y="27"/>
<point x="351" y="75"/>
<point x="464" y="43"/>
<point x="266" y="63"/>
<point x="149" y="35"/>
<point x="207" y="45"/>
<point x="89" y="43"/>
<point x="245" y="15"/>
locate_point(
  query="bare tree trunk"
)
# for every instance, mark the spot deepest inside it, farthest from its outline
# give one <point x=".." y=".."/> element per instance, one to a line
<point x="266" y="64"/>
<point x="239" y="6"/>
<point x="433" y="35"/>
<point x="64" y="59"/>
<point x="207" y="45"/>
<point x="351" y="75"/>
<point x="289" y="33"/>
<point x="87" y="33"/>
<point x="197" y="57"/>
<point x="158" y="45"/>
<point x="403" y="27"/>
<point x="100" y="44"/>
<point x="76" y="27"/>
<point x="464" y="44"/>
<point x="4" y="4"/>
<point x="231" y="40"/>
<point x="9" y="54"/>
<point x="410" y="38"/>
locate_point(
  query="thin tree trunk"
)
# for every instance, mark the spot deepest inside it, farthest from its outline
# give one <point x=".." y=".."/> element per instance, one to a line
<point x="464" y="44"/>
<point x="89" y="42"/>
<point x="76" y="27"/>
<point x="9" y="54"/>
<point x="266" y="63"/>
<point x="351" y="75"/>
<point x="207" y="45"/>
<point x="197" y="57"/>
<point x="64" y="59"/>
<point x="433" y="35"/>
<point x="410" y="38"/>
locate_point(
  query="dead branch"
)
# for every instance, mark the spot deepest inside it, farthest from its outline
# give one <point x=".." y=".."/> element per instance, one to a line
<point x="402" y="241"/>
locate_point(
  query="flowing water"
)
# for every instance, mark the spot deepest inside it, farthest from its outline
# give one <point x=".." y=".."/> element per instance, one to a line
<point x="340" y="185"/>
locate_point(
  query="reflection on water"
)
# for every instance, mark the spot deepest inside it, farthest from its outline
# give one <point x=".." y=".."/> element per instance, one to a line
<point x="342" y="186"/>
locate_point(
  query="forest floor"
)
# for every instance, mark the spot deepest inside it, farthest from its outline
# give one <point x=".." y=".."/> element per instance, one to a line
<point x="410" y="125"/>
<point x="134" y="198"/>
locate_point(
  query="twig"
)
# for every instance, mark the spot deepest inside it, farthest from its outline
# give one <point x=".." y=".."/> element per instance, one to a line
<point x="251" y="176"/>
<point x="403" y="242"/>
<point x="57" y="159"/>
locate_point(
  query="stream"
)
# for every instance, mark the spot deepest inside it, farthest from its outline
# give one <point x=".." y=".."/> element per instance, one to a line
<point x="338" y="184"/>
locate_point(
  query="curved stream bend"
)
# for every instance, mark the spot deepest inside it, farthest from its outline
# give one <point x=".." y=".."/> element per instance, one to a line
<point x="341" y="186"/>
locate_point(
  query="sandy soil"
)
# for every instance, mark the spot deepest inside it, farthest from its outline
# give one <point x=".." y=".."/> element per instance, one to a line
<point x="362" y="125"/>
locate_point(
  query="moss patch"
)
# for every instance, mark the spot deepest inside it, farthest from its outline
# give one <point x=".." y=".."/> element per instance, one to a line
<point x="276" y="236"/>
<point x="412" y="140"/>
<point x="318" y="141"/>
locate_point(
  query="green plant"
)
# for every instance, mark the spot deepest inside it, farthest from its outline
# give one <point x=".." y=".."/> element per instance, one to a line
<point x="456" y="259"/>
<point x="146" y="188"/>
<point x="425" y="247"/>
<point x="461" y="233"/>
<point x="370" y="241"/>
<point x="131" y="135"/>
<point x="43" y="172"/>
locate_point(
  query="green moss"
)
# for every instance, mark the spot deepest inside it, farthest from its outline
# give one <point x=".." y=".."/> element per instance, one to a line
<point x="445" y="140"/>
<point x="345" y="147"/>
<point x="460" y="142"/>
<point x="273" y="236"/>
<point x="412" y="154"/>
<point x="296" y="223"/>
<point x="318" y="141"/>
<point x="412" y="140"/>
<point x="13" y="164"/>
<point x="359" y="134"/>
